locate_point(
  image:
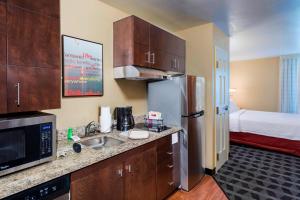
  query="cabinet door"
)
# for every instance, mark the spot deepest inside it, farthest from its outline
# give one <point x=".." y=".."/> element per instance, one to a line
<point x="179" y="47"/>
<point x="3" y="102"/>
<point x="141" y="35"/>
<point x="141" y="31"/>
<point x="176" y="46"/>
<point x="131" y="42"/>
<point x="103" y="181"/>
<point x="158" y="43"/>
<point x="141" y="55"/>
<point x="180" y="64"/>
<point x="123" y="42"/>
<point x="140" y="181"/>
<point x="45" y="7"/>
<point x="32" y="88"/>
<point x="33" y="40"/>
<point x="167" y="51"/>
<point x="161" y="60"/>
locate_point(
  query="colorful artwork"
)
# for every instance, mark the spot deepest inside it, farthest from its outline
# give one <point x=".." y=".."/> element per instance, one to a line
<point x="83" y="67"/>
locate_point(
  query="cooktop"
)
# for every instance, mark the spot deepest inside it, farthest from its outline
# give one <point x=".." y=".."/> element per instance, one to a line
<point x="157" y="129"/>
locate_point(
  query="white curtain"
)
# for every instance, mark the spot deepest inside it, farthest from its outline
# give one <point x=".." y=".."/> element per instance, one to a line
<point x="290" y="84"/>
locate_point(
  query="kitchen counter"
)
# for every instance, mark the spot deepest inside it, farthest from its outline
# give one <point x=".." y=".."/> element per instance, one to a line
<point x="68" y="161"/>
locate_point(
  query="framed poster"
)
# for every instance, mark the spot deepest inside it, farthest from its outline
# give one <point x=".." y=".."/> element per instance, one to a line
<point x="82" y="67"/>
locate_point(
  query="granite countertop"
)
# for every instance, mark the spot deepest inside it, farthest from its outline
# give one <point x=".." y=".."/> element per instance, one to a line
<point x="68" y="161"/>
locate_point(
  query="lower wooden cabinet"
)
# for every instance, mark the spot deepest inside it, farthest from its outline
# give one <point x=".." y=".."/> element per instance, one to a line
<point x="168" y="169"/>
<point x="140" y="176"/>
<point x="148" y="172"/>
<point x="104" y="180"/>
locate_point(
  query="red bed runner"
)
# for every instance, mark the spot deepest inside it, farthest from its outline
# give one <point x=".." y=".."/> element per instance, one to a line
<point x="266" y="142"/>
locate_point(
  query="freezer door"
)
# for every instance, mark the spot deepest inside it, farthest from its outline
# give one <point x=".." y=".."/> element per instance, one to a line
<point x="192" y="94"/>
<point x="164" y="96"/>
<point x="192" y="151"/>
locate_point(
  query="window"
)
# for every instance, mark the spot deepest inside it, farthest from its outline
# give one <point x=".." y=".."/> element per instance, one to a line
<point x="290" y="83"/>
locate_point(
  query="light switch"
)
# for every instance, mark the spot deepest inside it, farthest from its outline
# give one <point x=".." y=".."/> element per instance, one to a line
<point x="174" y="138"/>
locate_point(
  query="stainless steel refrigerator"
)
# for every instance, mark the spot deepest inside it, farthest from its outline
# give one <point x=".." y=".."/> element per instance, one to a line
<point x="181" y="101"/>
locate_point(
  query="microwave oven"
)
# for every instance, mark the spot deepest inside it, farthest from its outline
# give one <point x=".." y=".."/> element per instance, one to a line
<point x="26" y="140"/>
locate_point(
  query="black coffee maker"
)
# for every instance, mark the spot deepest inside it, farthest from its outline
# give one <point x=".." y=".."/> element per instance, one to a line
<point x="124" y="118"/>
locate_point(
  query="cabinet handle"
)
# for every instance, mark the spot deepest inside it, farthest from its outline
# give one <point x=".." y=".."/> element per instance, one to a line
<point x="148" y="57"/>
<point x="171" y="183"/>
<point x="175" y="63"/>
<point x="170" y="166"/>
<point x="170" y="153"/>
<point x="120" y="172"/>
<point x="18" y="94"/>
<point x="153" y="58"/>
<point x="128" y="168"/>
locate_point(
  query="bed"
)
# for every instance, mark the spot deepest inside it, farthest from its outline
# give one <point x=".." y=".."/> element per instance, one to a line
<point x="268" y="130"/>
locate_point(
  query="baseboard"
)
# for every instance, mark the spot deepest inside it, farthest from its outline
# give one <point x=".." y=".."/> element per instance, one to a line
<point x="210" y="172"/>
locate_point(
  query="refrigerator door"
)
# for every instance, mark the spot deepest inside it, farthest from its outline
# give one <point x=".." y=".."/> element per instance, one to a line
<point x="191" y="147"/>
<point x="192" y="94"/>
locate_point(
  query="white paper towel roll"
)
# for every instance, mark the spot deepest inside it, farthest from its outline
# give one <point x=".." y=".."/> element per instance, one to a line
<point x="105" y="120"/>
<point x="105" y="110"/>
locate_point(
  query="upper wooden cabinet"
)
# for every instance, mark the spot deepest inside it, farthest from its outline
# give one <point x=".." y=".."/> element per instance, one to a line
<point x="139" y="43"/>
<point x="30" y="72"/>
<point x="44" y="7"/>
<point x="3" y="106"/>
<point x="32" y="88"/>
<point x="131" y="42"/>
<point x="32" y="39"/>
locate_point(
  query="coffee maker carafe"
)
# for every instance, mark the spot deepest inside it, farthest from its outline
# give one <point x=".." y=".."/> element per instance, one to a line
<point x="124" y="118"/>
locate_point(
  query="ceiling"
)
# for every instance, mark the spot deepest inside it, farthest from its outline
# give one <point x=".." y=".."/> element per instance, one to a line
<point x="257" y="28"/>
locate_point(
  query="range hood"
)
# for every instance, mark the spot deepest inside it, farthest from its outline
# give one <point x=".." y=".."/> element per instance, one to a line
<point x="142" y="73"/>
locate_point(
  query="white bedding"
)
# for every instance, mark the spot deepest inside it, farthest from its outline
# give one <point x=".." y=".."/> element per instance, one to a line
<point x="273" y="124"/>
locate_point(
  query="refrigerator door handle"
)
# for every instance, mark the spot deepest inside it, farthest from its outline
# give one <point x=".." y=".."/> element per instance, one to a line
<point x="200" y="114"/>
<point x="195" y="115"/>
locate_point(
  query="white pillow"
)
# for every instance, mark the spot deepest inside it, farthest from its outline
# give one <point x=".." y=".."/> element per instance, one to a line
<point x="233" y="107"/>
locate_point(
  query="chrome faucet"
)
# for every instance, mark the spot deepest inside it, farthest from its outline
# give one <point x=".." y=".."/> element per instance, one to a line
<point x="90" y="129"/>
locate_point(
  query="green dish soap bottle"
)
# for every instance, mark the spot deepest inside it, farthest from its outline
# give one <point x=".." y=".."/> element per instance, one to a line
<point x="70" y="134"/>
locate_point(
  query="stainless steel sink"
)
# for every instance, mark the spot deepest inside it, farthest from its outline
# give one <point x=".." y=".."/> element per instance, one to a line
<point x="101" y="142"/>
